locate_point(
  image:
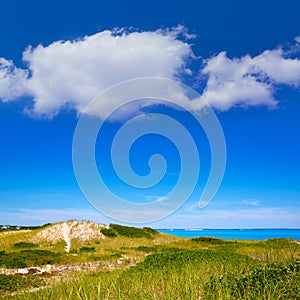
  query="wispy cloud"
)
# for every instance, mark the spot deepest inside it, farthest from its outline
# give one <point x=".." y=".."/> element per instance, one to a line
<point x="252" y="217"/>
<point x="25" y="216"/>
<point x="153" y="198"/>
<point x="252" y="202"/>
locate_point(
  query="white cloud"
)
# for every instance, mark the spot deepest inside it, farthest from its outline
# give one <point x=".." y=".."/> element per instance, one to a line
<point x="279" y="69"/>
<point x="252" y="202"/>
<point x="12" y="80"/>
<point x="26" y="216"/>
<point x="71" y="73"/>
<point x="297" y="39"/>
<point x="248" y="81"/>
<point x="252" y="217"/>
<point x="230" y="84"/>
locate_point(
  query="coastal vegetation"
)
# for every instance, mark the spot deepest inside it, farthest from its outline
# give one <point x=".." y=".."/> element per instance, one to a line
<point x="141" y="263"/>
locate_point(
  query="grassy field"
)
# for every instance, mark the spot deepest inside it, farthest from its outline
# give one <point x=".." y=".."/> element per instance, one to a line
<point x="144" y="264"/>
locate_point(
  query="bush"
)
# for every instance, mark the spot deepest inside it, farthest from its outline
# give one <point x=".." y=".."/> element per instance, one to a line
<point x="13" y="283"/>
<point x="25" y="245"/>
<point x="209" y="239"/>
<point x="15" y="263"/>
<point x="265" y="282"/>
<point x="108" y="232"/>
<point x="28" y="258"/>
<point x="151" y="231"/>
<point x="131" y="232"/>
<point x="117" y="254"/>
<point x="87" y="249"/>
<point x="180" y="258"/>
<point x="127" y="231"/>
<point x="146" y="249"/>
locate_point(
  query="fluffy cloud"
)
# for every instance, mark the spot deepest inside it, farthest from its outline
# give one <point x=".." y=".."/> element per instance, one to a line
<point x="12" y="81"/>
<point x="248" y="81"/>
<point x="68" y="74"/>
<point x="71" y="73"/>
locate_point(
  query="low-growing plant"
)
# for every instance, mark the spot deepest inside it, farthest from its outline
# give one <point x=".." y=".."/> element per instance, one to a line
<point x="127" y="231"/>
<point x="271" y="281"/>
<point x="87" y="249"/>
<point x="146" y="249"/>
<point x="178" y="259"/>
<point x="210" y="239"/>
<point x="13" y="283"/>
<point x="29" y="258"/>
<point x="23" y="245"/>
<point x="150" y="230"/>
<point x="131" y="232"/>
<point x="108" y="232"/>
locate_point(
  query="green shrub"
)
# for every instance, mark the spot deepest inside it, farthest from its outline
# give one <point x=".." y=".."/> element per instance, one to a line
<point x="127" y="231"/>
<point x="150" y="230"/>
<point x="131" y="232"/>
<point x="25" y="245"/>
<point x="209" y="239"/>
<point x="179" y="258"/>
<point x="276" y="243"/>
<point x="108" y="232"/>
<point x="28" y="258"/>
<point x="87" y="249"/>
<point x="15" y="263"/>
<point x="146" y="249"/>
<point x="13" y="283"/>
<point x="266" y="282"/>
<point x="116" y="255"/>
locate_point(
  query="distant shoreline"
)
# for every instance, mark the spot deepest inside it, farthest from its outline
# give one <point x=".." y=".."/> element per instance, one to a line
<point x="241" y="234"/>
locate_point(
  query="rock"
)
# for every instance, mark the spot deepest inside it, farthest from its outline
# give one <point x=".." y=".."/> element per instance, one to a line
<point x="23" y="271"/>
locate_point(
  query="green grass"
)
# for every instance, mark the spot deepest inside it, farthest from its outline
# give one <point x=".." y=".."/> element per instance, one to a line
<point x="144" y="264"/>
<point x="210" y="240"/>
<point x="127" y="231"/>
<point x="10" y="283"/>
<point x="28" y="258"/>
<point x="25" y="245"/>
<point x="87" y="249"/>
<point x="108" y="232"/>
<point x="266" y="282"/>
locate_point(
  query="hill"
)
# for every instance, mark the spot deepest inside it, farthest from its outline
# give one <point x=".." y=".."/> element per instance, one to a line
<point x="86" y="260"/>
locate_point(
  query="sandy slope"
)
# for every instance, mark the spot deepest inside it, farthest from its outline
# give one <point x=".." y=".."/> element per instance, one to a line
<point x="70" y="230"/>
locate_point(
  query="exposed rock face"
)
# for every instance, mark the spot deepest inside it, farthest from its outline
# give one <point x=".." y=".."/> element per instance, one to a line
<point x="67" y="231"/>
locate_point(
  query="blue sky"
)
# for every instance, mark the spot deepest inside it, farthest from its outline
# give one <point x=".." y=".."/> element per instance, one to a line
<point x="243" y="57"/>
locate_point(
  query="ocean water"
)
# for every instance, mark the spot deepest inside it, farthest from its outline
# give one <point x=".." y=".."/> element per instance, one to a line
<point x="236" y="234"/>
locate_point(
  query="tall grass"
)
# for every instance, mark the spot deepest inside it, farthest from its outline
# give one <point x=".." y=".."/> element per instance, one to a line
<point x="173" y="268"/>
<point x="168" y="275"/>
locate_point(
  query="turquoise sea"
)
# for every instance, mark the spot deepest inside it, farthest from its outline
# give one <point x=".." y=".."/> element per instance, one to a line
<point x="241" y="234"/>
